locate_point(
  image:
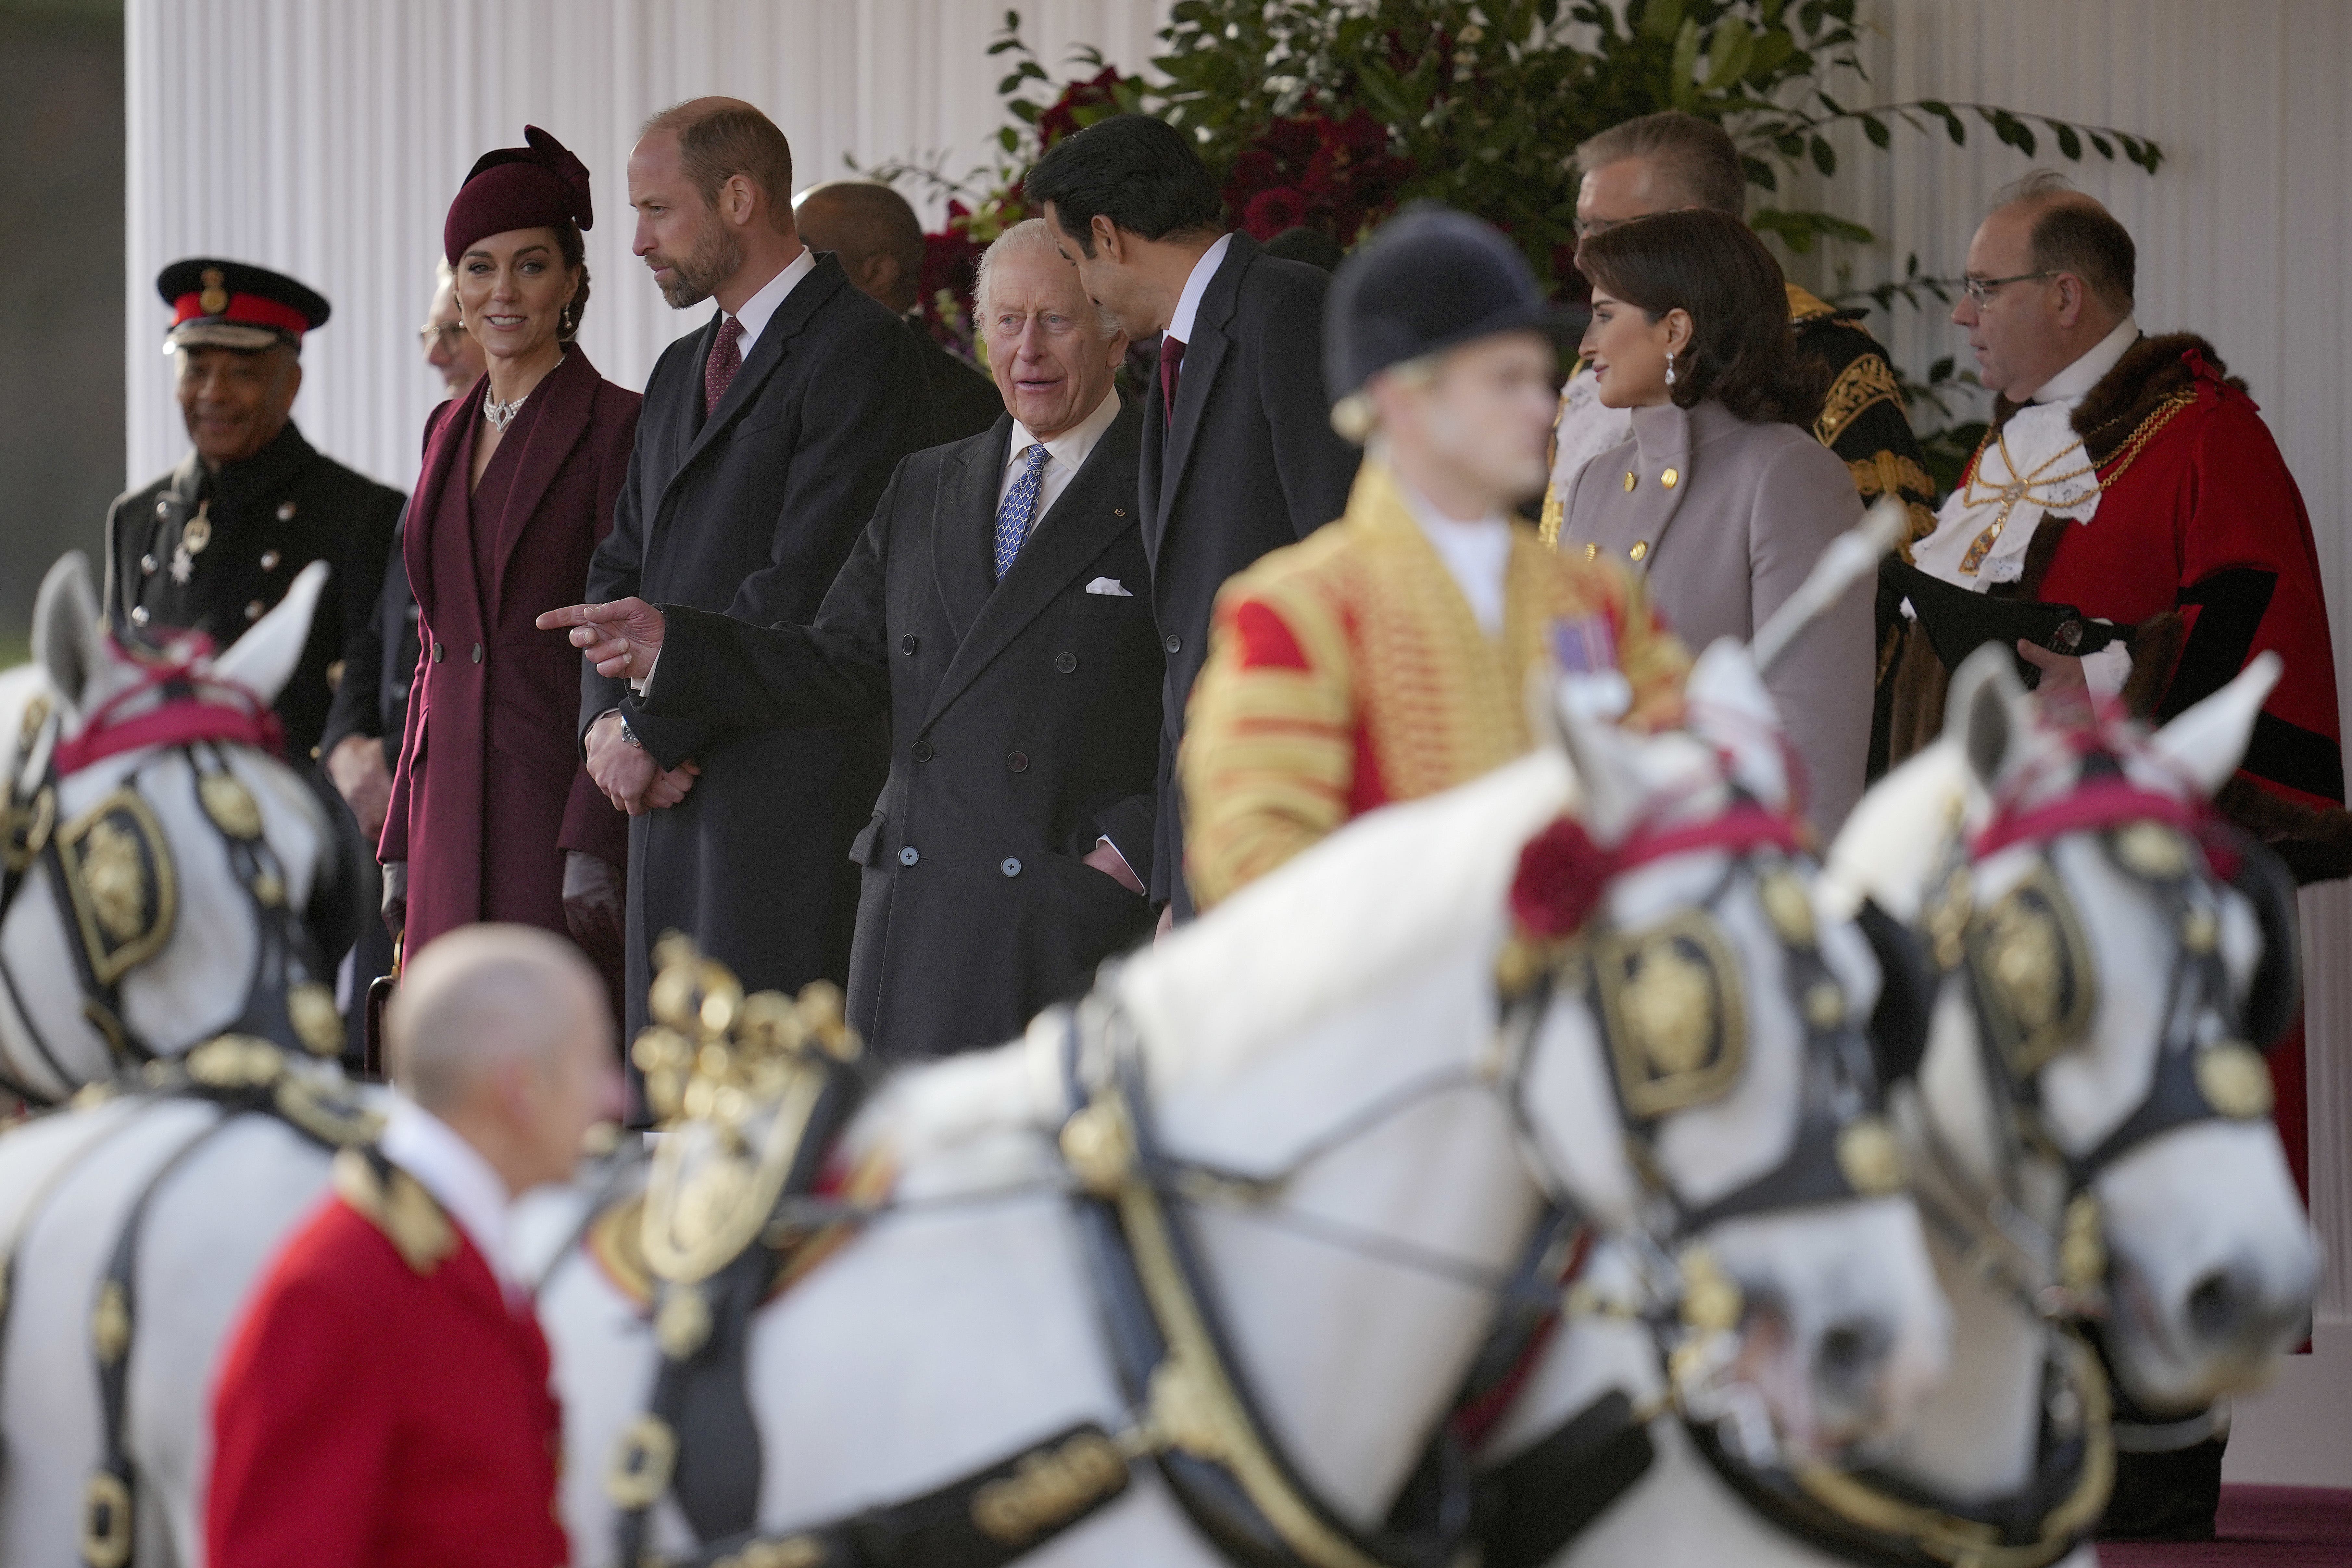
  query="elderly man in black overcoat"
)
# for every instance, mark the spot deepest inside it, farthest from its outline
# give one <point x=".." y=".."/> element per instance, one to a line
<point x="997" y="607"/>
<point x="766" y="438"/>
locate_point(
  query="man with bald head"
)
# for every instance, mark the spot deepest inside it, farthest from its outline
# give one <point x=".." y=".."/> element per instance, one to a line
<point x="999" y="610"/>
<point x="2132" y="478"/>
<point x="767" y="436"/>
<point x="879" y="241"/>
<point x="384" y="1399"/>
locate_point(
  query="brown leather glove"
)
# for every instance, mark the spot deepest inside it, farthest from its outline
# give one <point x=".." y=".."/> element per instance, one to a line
<point x="593" y="903"/>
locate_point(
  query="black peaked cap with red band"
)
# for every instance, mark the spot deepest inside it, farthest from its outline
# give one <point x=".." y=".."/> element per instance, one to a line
<point x="236" y="305"/>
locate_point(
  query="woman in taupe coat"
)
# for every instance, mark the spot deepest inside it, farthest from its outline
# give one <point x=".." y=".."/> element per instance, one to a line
<point x="1722" y="499"/>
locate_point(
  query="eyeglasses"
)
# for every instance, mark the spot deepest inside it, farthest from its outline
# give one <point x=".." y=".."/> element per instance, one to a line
<point x="1586" y="227"/>
<point x="1980" y="288"/>
<point x="444" y="337"/>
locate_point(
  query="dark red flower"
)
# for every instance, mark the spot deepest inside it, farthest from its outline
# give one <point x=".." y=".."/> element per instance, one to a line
<point x="1561" y="876"/>
<point x="1271" y="212"/>
<point x="1254" y="171"/>
<point x="1360" y="134"/>
<point x="1291" y="140"/>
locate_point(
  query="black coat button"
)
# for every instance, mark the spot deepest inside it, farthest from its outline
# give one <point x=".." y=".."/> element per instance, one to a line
<point x="253" y="609"/>
<point x="1065" y="662"/>
<point x="436" y="653"/>
<point x="477" y="653"/>
<point x="1173" y="643"/>
<point x="1010" y="867"/>
<point x="1017" y="761"/>
<point x="909" y="855"/>
<point x="922" y="751"/>
<point x="147" y="564"/>
<point x="909" y="643"/>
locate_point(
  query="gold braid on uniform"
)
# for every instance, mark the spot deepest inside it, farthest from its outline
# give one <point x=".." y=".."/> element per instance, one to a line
<point x="1883" y="473"/>
<point x="1867" y="380"/>
<point x="1393" y="648"/>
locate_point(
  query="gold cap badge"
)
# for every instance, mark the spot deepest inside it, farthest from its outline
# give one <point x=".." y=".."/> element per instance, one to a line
<point x="215" y="298"/>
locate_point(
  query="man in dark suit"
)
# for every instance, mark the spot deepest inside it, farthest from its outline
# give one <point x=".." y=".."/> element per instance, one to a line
<point x="765" y="441"/>
<point x="879" y="241"/>
<point x="995" y="609"/>
<point x="1239" y="457"/>
<point x="212" y="545"/>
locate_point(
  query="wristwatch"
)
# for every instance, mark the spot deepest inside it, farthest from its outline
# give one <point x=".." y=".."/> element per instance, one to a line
<point x="630" y="735"/>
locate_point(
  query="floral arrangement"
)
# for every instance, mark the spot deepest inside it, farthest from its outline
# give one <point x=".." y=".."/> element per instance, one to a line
<point x="1331" y="113"/>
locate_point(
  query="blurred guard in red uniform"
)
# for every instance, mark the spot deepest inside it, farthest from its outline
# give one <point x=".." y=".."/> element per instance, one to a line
<point x="1385" y="657"/>
<point x="386" y="1401"/>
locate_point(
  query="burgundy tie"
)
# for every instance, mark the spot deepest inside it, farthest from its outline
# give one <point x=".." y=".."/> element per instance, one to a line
<point x="1171" y="358"/>
<point x="725" y="359"/>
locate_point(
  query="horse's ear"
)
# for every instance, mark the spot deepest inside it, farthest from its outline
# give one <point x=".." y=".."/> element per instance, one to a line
<point x="265" y="658"/>
<point x="66" y="638"/>
<point x="2207" y="742"/>
<point x="1980" y="710"/>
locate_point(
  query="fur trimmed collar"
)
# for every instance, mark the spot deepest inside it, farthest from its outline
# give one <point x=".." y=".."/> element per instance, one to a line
<point x="2151" y="370"/>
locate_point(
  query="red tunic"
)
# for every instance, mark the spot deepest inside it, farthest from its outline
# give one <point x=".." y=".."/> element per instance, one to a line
<point x="491" y="790"/>
<point x="2207" y="521"/>
<point x="368" y="1414"/>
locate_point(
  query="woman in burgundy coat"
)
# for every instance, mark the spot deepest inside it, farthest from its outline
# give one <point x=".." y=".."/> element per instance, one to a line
<point x="492" y="815"/>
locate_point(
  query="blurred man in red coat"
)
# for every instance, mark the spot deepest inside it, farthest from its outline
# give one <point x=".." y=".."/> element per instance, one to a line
<point x="386" y="1401"/>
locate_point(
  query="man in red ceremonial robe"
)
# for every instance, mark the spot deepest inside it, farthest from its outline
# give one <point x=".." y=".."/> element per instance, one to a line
<point x="2132" y="478"/>
<point x="385" y="1401"/>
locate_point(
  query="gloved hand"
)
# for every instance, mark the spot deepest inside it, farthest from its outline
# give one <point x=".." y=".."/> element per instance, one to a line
<point x="592" y="888"/>
<point x="396" y="897"/>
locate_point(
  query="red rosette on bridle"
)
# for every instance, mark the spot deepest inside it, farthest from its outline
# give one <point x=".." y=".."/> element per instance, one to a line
<point x="1562" y="875"/>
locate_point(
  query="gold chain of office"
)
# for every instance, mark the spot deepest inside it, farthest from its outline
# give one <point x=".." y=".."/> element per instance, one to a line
<point x="2021" y="487"/>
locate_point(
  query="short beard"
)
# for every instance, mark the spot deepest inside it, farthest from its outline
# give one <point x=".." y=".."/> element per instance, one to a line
<point x="696" y="276"/>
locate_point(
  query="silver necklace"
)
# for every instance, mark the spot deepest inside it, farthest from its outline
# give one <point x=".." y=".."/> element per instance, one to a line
<point x="501" y="415"/>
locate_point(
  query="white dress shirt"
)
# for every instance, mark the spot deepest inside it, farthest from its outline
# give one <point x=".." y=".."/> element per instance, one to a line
<point x="1066" y="454"/>
<point x="459" y="1179"/>
<point x="1196" y="283"/>
<point x="761" y="308"/>
<point x="1478" y="555"/>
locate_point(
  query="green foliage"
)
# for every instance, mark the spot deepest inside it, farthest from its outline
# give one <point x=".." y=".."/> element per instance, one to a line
<point x="1484" y="102"/>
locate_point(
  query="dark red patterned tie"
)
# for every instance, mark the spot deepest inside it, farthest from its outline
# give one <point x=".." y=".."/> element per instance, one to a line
<point x="725" y="359"/>
<point x="1171" y="358"/>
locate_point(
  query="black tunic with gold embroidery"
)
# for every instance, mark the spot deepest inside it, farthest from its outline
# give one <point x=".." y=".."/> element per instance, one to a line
<point x="264" y="520"/>
<point x="1863" y="421"/>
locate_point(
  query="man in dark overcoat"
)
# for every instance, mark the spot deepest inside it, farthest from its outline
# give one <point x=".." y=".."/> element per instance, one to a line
<point x="212" y="545"/>
<point x="997" y="607"/>
<point x="764" y="442"/>
<point x="1239" y="457"/>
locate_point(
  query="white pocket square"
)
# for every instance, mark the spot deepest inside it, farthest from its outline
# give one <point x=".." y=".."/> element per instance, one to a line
<point x="1108" y="585"/>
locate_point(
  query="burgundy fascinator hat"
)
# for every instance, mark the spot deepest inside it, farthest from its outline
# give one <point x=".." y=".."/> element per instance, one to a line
<point x="519" y="187"/>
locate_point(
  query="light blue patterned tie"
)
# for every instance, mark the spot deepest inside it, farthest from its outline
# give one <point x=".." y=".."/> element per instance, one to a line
<point x="1019" y="508"/>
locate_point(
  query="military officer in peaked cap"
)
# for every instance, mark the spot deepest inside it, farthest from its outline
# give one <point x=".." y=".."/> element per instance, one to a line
<point x="212" y="545"/>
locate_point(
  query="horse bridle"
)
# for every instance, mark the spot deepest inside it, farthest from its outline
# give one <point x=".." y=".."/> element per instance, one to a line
<point x="2032" y="984"/>
<point x="111" y="870"/>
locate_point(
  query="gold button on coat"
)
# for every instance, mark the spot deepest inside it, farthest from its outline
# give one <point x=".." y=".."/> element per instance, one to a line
<point x="1629" y="479"/>
<point x="1641" y="548"/>
<point x="1670" y="478"/>
<point x="1593" y="553"/>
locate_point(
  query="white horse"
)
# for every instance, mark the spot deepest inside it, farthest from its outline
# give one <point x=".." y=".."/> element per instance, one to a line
<point x="1364" y="1153"/>
<point x="2187" y="1229"/>
<point x="157" y="857"/>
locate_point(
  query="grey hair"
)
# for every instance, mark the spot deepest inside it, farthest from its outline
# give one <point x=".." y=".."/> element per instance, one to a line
<point x="479" y="996"/>
<point x="1029" y="234"/>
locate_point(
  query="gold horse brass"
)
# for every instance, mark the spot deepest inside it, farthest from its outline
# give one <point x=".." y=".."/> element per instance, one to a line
<point x="1675" y="1017"/>
<point x="118" y="874"/>
<point x="2034" y="971"/>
